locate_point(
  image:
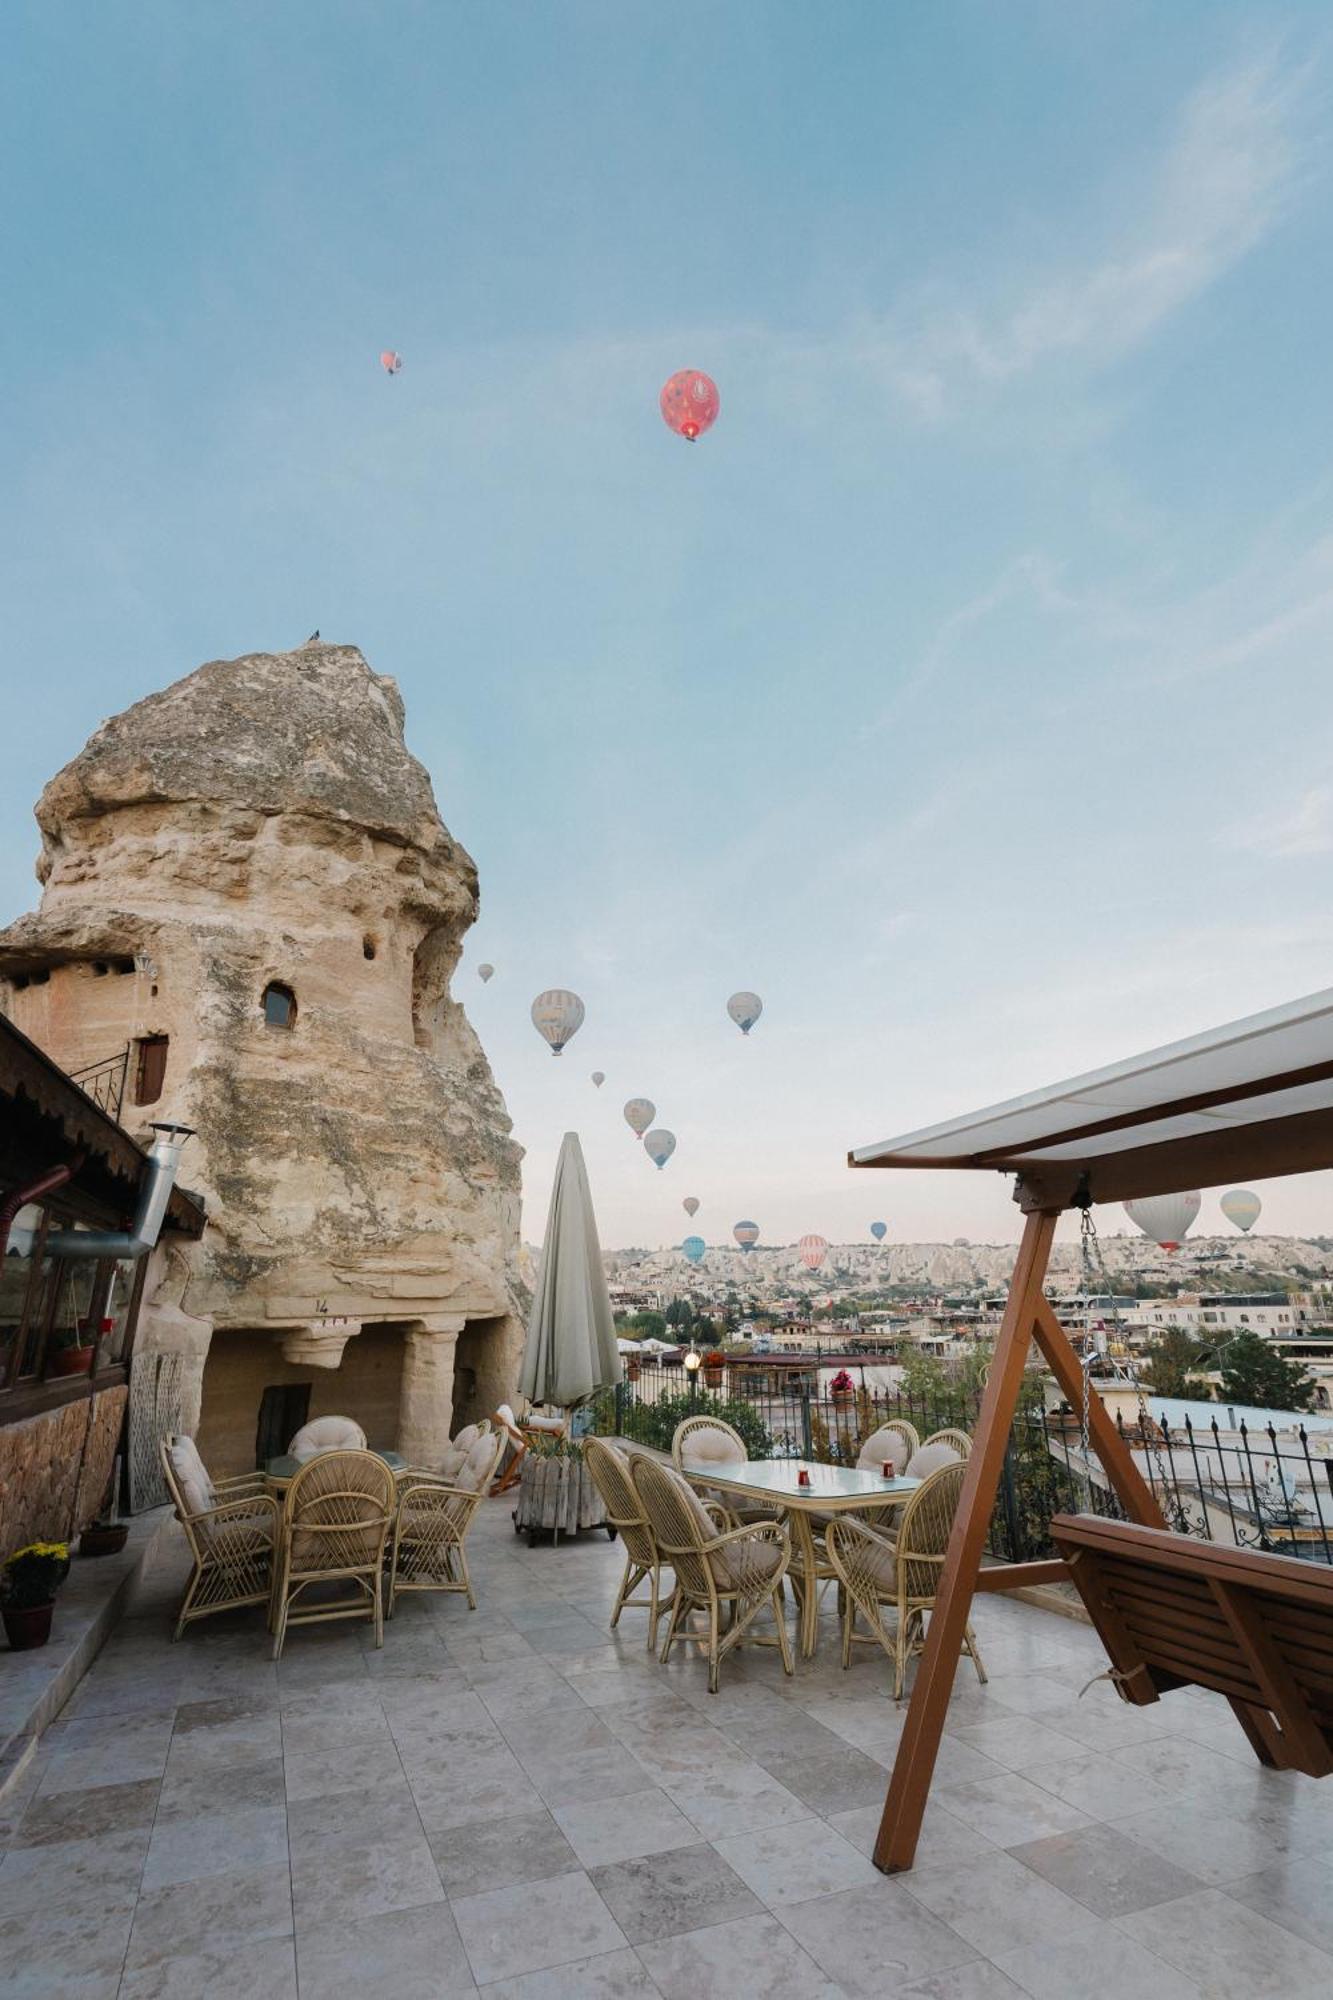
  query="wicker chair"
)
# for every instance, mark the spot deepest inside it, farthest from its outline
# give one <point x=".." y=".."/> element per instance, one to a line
<point x="339" y="1510"/>
<point x="904" y="1573"/>
<point x="896" y="1440"/>
<point x="611" y="1475"/>
<point x="431" y="1523"/>
<point x="959" y="1440"/>
<point x="231" y="1526"/>
<point x="452" y="1458"/>
<point x="730" y="1575"/>
<point x="700" y="1443"/>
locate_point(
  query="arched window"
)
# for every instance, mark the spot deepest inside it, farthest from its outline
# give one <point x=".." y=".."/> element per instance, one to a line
<point x="279" y="1005"/>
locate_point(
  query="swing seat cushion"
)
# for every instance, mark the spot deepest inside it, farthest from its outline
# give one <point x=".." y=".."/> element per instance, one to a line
<point x="1174" y="1611"/>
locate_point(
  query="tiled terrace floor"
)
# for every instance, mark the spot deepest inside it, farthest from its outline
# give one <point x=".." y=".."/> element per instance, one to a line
<point x="518" y="1801"/>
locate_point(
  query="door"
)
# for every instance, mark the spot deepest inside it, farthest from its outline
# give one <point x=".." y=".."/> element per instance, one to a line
<point x="282" y="1411"/>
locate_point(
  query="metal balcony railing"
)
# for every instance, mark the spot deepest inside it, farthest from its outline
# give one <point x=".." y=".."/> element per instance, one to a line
<point x="104" y="1081"/>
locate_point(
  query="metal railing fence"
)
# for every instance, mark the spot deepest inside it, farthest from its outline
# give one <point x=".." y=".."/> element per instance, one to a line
<point x="1265" y="1490"/>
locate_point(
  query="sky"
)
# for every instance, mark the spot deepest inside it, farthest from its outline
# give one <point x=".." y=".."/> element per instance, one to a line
<point x="965" y="691"/>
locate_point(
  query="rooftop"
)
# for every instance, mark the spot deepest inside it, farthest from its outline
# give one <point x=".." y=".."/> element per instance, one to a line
<point x="520" y="1801"/>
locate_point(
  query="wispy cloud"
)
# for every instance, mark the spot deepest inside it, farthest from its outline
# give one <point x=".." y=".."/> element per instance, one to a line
<point x="1303" y="827"/>
<point x="1221" y="185"/>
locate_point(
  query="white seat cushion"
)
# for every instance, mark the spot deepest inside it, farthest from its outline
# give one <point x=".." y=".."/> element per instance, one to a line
<point x="709" y="1446"/>
<point x="556" y="1425"/>
<point x="880" y="1562"/>
<point x="884" y="1444"/>
<point x="928" y="1458"/>
<point x="745" y="1559"/>
<point x="191" y="1475"/>
<point x="475" y="1471"/>
<point x="327" y="1434"/>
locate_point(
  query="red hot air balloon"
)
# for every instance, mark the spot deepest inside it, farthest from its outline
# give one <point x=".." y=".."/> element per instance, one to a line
<point x="690" y="403"/>
<point x="813" y="1251"/>
<point x="391" y="363"/>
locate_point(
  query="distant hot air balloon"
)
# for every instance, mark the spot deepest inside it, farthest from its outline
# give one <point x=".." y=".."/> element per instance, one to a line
<point x="691" y="1204"/>
<point x="745" y="1009"/>
<point x="639" y="1115"/>
<point x="813" y="1251"/>
<point x="694" y="1247"/>
<point x="557" y="1016"/>
<point x="1165" y="1217"/>
<point x="485" y="974"/>
<point x="746" y="1234"/>
<point x="659" y="1145"/>
<point x="879" y="1230"/>
<point x="599" y="1077"/>
<point x="391" y="363"/>
<point x="1242" y="1208"/>
<point x="690" y="403"/>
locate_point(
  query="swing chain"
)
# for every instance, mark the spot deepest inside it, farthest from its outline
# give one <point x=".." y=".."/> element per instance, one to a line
<point x="1090" y="1244"/>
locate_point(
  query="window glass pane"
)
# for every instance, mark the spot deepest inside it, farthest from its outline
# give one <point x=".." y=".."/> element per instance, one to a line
<point x="117" y="1311"/>
<point x="73" y="1281"/>
<point x="279" y="1006"/>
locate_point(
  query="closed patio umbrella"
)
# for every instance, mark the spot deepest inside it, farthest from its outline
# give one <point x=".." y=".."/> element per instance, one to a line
<point x="571" y="1349"/>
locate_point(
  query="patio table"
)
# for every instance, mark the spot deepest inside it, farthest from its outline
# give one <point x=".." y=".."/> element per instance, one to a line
<point x="833" y="1489"/>
<point x="280" y="1472"/>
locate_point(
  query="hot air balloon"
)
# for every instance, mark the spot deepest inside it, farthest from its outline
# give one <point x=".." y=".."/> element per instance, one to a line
<point x="1165" y="1217"/>
<point x="485" y="974"/>
<point x="745" y="1009"/>
<point x="694" y="1247"/>
<point x="1242" y="1208"/>
<point x="659" y="1145"/>
<point x="639" y="1115"/>
<point x="391" y="363"/>
<point x="691" y="1204"/>
<point x="557" y="1016"/>
<point x="599" y="1077"/>
<point x="813" y="1251"/>
<point x="690" y="403"/>
<point x="746" y="1234"/>
<point x="879" y="1230"/>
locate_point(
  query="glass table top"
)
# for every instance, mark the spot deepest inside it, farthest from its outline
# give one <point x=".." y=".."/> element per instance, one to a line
<point x="828" y="1483"/>
<point x="287" y="1467"/>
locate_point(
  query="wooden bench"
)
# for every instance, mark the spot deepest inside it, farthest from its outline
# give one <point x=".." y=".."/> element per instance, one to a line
<point x="1173" y="1611"/>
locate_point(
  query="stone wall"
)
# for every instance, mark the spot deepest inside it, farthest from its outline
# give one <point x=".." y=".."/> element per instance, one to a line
<point x="39" y="1464"/>
<point x="367" y="1386"/>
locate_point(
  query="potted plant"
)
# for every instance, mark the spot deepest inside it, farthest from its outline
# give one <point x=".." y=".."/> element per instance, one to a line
<point x="842" y="1389"/>
<point x="714" y="1366"/>
<point x="28" y="1585"/>
<point x="633" y="1368"/>
<point x="73" y="1352"/>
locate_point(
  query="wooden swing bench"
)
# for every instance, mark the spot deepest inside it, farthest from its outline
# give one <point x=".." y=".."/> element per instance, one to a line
<point x="1252" y="1098"/>
<point x="1173" y="1611"/>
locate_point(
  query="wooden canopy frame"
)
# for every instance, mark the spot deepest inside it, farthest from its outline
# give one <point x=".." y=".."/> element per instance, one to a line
<point x="1246" y="1101"/>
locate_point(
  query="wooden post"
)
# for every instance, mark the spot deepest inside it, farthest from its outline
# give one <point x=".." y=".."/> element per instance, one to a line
<point x="1138" y="1498"/>
<point x="909" y="1787"/>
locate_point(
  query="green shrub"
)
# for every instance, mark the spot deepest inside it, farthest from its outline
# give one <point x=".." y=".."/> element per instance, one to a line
<point x="656" y="1423"/>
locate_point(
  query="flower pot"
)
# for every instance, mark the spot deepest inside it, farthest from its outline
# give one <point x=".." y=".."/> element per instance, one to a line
<point x="27" y="1625"/>
<point x="104" y="1538"/>
<point x="72" y="1361"/>
<point x="712" y="1378"/>
<point x="632" y="1371"/>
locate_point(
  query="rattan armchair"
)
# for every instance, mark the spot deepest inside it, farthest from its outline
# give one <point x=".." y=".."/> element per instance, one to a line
<point x="431" y="1523"/>
<point x="610" y="1471"/>
<point x="231" y="1526"/>
<point x="895" y="1440"/>
<point x="729" y="1575"/>
<point x="339" y="1510"/>
<point x="699" y="1443"/>
<point x="875" y="1572"/>
<point x="959" y="1441"/>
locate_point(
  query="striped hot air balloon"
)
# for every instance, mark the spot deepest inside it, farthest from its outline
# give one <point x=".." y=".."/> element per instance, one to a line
<point x="1242" y="1208"/>
<point x="746" y="1234"/>
<point x="557" y="1016"/>
<point x="813" y="1251"/>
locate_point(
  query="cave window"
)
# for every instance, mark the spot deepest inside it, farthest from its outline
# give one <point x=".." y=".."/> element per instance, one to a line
<point x="279" y="1006"/>
<point x="367" y="946"/>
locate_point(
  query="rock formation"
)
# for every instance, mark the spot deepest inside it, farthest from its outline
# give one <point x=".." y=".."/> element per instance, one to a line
<point x="248" y="887"/>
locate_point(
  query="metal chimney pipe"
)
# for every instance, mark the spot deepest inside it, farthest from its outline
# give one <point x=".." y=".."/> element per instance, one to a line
<point x="154" y="1194"/>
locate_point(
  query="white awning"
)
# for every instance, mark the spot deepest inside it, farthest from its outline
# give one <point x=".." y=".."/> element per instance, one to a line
<point x="1245" y="1101"/>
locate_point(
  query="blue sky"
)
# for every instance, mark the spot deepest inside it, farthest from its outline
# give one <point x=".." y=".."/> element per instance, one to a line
<point x="966" y="691"/>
